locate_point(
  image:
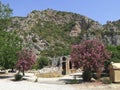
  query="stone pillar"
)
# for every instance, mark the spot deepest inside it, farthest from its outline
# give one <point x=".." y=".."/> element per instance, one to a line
<point x="67" y="66"/>
<point x="73" y="70"/>
<point x="60" y="67"/>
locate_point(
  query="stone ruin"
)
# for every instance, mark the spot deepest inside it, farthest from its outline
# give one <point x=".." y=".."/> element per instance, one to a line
<point x="60" y="66"/>
<point x="64" y="65"/>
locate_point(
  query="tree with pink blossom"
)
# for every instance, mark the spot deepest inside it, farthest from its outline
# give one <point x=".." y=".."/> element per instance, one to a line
<point x="91" y="55"/>
<point x="26" y="58"/>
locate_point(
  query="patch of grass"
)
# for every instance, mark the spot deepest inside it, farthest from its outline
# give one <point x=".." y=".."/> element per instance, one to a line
<point x="74" y="81"/>
<point x="106" y="81"/>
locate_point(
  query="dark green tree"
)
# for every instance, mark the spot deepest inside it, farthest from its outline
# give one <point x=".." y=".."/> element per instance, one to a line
<point x="10" y="43"/>
<point x="5" y="14"/>
<point x="115" y="50"/>
<point x="43" y="61"/>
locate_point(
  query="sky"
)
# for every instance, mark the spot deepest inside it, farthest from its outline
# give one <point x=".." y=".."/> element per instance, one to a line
<point x="98" y="10"/>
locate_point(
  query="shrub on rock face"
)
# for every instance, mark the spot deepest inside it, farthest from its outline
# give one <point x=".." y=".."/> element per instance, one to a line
<point x="91" y="55"/>
<point x="26" y="58"/>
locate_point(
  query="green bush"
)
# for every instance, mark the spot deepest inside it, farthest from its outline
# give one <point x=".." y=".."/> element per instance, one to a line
<point x="115" y="50"/>
<point x="74" y="81"/>
<point x="18" y="77"/>
<point x="34" y="40"/>
<point x="87" y="75"/>
<point x="35" y="66"/>
<point x="106" y="81"/>
<point x="43" y="61"/>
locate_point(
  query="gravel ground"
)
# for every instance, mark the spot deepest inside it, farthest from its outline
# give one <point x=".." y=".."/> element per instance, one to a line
<point x="25" y="85"/>
<point x="95" y="86"/>
<point x="7" y="83"/>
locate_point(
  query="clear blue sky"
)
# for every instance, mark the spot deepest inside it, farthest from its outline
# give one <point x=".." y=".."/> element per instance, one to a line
<point x="99" y="10"/>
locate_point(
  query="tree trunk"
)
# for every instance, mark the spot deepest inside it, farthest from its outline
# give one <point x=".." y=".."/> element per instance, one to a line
<point x="23" y="69"/>
<point x="87" y="75"/>
<point x="23" y="73"/>
<point x="12" y="69"/>
<point x="98" y="74"/>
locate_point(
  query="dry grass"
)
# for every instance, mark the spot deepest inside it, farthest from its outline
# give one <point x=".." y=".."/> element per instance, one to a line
<point x="48" y="75"/>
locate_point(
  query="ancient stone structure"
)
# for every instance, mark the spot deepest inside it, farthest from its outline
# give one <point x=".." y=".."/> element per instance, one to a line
<point x="65" y="65"/>
<point x="115" y="72"/>
<point x="60" y="66"/>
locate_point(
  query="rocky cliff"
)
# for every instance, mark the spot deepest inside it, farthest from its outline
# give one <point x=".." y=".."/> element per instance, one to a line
<point x="52" y="32"/>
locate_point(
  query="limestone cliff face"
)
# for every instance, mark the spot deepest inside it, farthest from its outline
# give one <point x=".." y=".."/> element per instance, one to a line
<point x="112" y="32"/>
<point x="41" y="30"/>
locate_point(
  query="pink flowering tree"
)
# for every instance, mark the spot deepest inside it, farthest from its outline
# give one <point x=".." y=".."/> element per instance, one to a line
<point x="91" y="56"/>
<point x="26" y="58"/>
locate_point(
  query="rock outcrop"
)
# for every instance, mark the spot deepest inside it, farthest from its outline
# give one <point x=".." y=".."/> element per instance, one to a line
<point x="41" y="30"/>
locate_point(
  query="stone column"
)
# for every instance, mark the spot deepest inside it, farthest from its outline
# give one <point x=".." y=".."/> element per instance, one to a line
<point x="67" y="67"/>
<point x="60" y="67"/>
